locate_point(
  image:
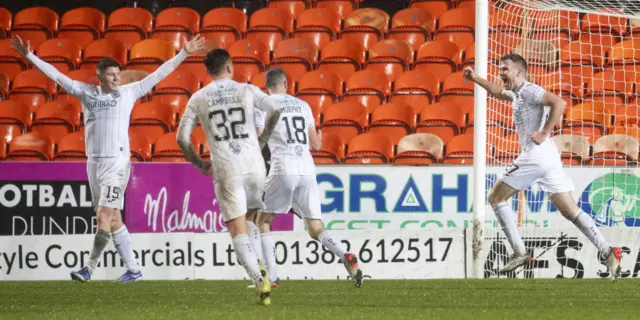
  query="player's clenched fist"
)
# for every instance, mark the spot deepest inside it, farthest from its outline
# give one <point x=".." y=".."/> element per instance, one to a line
<point x="468" y="73"/>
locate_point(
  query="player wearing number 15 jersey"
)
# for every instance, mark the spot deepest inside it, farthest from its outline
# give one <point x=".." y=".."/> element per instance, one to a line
<point x="292" y="177"/>
<point x="535" y="113"/>
<point x="226" y="110"/>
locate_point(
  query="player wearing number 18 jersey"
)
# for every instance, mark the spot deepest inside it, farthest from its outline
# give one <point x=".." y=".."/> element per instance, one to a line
<point x="292" y="177"/>
<point x="535" y="113"/>
<point x="226" y="110"/>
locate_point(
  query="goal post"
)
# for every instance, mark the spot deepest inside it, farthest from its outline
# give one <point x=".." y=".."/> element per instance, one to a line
<point x="588" y="53"/>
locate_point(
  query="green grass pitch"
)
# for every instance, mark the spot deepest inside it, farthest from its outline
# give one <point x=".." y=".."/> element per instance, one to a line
<point x="312" y="299"/>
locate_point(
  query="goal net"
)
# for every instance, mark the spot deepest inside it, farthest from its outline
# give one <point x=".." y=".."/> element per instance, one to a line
<point x="588" y="53"/>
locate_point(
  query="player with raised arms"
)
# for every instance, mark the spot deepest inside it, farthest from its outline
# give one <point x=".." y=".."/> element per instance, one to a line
<point x="107" y="111"/>
<point x="226" y="110"/>
<point x="536" y="112"/>
<point x="292" y="177"/>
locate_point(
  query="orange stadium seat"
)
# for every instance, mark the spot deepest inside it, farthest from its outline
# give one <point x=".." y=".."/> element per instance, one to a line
<point x="367" y="87"/>
<point x="152" y="119"/>
<point x="507" y="148"/>
<point x="82" y="25"/>
<point x="457" y="26"/>
<point x="342" y="7"/>
<point x="345" y="120"/>
<point x="419" y="149"/>
<point x="4" y="86"/>
<point x="416" y="88"/>
<point x="148" y="55"/>
<point x="574" y="150"/>
<point x="567" y="86"/>
<point x="413" y="25"/>
<point x="30" y="147"/>
<point x="64" y="54"/>
<point x="224" y="25"/>
<point x="440" y="57"/>
<point x="615" y="149"/>
<point x="294" y="7"/>
<point x="320" y="89"/>
<point x="601" y="42"/>
<point x="469" y="56"/>
<point x="129" y="26"/>
<point x="140" y="148"/>
<point x="318" y="25"/>
<point x="366" y="26"/>
<point x="11" y="62"/>
<point x="393" y="120"/>
<point x="610" y="86"/>
<point x="629" y="131"/>
<point x="599" y="23"/>
<point x="392" y="57"/>
<point x="295" y="56"/>
<point x="250" y="57"/>
<point x="622" y="56"/>
<point x="369" y="148"/>
<point x="5" y="23"/>
<point x="103" y="48"/>
<point x="499" y="113"/>
<point x="459" y="150"/>
<point x="457" y="85"/>
<point x="167" y="150"/>
<point x="15" y="115"/>
<point x="32" y="88"/>
<point x="194" y="62"/>
<point x="343" y="57"/>
<point x="35" y="24"/>
<point x="175" y="89"/>
<point x="565" y="21"/>
<point x="589" y="119"/>
<point x="435" y="8"/>
<point x="331" y="152"/>
<point x="172" y="24"/>
<point x="260" y="81"/>
<point x="7" y="133"/>
<point x="56" y="119"/>
<point x="442" y="120"/>
<point x="626" y="115"/>
<point x="270" y="26"/>
<point x="71" y="148"/>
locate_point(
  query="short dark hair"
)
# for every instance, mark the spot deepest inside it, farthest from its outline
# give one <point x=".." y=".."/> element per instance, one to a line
<point x="215" y="61"/>
<point x="106" y="63"/>
<point x="517" y="59"/>
<point x="275" y="78"/>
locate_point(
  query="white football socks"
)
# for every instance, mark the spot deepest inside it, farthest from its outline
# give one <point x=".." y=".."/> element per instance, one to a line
<point x="100" y="241"/>
<point x="247" y="258"/>
<point x="254" y="237"/>
<point x="584" y="222"/>
<point x="269" y="251"/>
<point x="509" y="227"/>
<point x="122" y="241"/>
<point x="334" y="245"/>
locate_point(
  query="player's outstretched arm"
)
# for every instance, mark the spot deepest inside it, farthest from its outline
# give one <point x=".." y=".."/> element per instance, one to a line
<point x="190" y="47"/>
<point x="24" y="49"/>
<point x="492" y="88"/>
<point x="315" y="138"/>
<point x="556" y="106"/>
<point x="187" y="124"/>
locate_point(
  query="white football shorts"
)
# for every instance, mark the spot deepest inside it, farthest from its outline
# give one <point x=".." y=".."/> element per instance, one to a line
<point x="546" y="171"/>
<point x="108" y="179"/>
<point x="238" y="194"/>
<point x="300" y="192"/>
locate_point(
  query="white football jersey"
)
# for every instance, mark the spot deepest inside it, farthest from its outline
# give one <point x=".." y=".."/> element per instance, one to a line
<point x="226" y="110"/>
<point x="289" y="142"/>
<point x="529" y="114"/>
<point x="106" y="117"/>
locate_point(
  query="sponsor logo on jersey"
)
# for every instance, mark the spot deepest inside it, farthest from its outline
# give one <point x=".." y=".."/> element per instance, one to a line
<point x="235" y="147"/>
<point x="102" y="104"/>
<point x="613" y="200"/>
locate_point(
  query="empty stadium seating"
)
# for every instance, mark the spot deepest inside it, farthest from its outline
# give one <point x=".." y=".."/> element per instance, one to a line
<point x="384" y="87"/>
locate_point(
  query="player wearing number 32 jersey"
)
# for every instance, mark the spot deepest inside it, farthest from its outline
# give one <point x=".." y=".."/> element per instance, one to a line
<point x="226" y="110"/>
<point x="535" y="113"/>
<point x="292" y="177"/>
